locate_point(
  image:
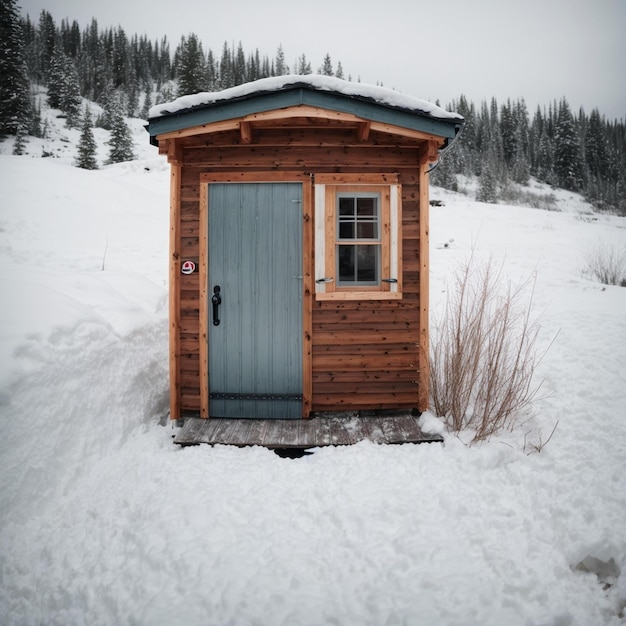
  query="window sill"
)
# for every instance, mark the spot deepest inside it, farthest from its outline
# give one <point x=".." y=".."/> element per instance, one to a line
<point x="359" y="295"/>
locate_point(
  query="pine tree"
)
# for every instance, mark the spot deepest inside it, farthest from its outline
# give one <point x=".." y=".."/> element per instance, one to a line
<point x="545" y="159"/>
<point x="567" y="156"/>
<point x="211" y="72"/>
<point x="14" y="90"/>
<point x="304" y="67"/>
<point x="120" y="60"/>
<point x="70" y="93"/>
<point x="190" y="66"/>
<point x="281" y="67"/>
<point x="47" y="46"/>
<point x="121" y="142"/>
<point x="64" y="87"/>
<point x="240" y="66"/>
<point x="55" y="80"/>
<point x="87" y="144"/>
<point x="465" y="148"/>
<point x="227" y="78"/>
<point x="147" y="104"/>
<point x="20" y="141"/>
<point x="327" y="67"/>
<point x="443" y="174"/>
<point x="596" y="153"/>
<point x="487" y="186"/>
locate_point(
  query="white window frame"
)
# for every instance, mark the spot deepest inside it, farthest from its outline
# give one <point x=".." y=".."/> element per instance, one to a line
<point x="327" y="186"/>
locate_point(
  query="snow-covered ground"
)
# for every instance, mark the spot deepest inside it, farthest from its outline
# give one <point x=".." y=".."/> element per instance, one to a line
<point x="103" y="520"/>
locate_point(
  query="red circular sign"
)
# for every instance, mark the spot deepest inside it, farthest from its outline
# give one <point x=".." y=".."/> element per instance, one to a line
<point x="188" y="267"/>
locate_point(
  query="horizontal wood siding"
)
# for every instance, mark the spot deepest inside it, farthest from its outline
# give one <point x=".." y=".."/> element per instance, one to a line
<point x="189" y="325"/>
<point x="364" y="354"/>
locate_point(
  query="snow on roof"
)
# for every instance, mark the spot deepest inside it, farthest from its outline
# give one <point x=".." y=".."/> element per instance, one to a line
<point x="380" y="95"/>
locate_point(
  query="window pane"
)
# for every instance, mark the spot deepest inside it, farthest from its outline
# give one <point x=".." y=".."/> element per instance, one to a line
<point x="367" y="264"/>
<point x="358" y="265"/>
<point x="346" y="206"/>
<point x="366" y="206"/>
<point x="346" y="230"/>
<point x="367" y="230"/>
<point x="345" y="260"/>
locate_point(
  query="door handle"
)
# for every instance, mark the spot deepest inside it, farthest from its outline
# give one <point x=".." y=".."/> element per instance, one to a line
<point x="216" y="300"/>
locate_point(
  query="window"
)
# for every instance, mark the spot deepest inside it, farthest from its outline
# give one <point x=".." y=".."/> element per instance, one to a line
<point x="357" y="239"/>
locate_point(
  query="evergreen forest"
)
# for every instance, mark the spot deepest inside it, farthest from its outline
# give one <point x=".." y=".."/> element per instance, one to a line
<point x="502" y="144"/>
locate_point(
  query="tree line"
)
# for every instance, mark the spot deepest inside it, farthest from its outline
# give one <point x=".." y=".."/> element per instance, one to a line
<point x="101" y="62"/>
<point x="126" y="75"/>
<point x="500" y="144"/>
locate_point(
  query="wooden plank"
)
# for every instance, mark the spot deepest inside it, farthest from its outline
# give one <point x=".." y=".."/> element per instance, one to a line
<point x="194" y="429"/>
<point x="363" y="131"/>
<point x="245" y="132"/>
<point x="203" y="311"/>
<point x="358" y="296"/>
<point x="302" y="158"/>
<point x="343" y="178"/>
<point x="383" y="315"/>
<point x="402" y="429"/>
<point x="260" y="176"/>
<point x="308" y="255"/>
<point x="342" y="401"/>
<point x="189" y="399"/>
<point x="301" y="132"/>
<point x="376" y="323"/>
<point x="189" y="324"/>
<point x="174" y="295"/>
<point x="349" y="337"/>
<point x="222" y="431"/>
<point x="423" y="364"/>
<point x="364" y="349"/>
<point x="364" y="388"/>
<point x="365" y="377"/>
<point x="328" y="429"/>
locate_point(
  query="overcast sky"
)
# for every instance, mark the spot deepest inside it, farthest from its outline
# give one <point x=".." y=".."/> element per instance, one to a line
<point x="539" y="50"/>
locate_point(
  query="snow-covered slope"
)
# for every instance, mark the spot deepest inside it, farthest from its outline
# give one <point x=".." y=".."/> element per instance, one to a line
<point x="104" y="521"/>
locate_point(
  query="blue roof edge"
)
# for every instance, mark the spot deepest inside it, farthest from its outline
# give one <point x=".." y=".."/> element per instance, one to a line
<point x="298" y="95"/>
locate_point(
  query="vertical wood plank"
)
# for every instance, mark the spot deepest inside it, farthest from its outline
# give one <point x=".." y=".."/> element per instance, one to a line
<point x="308" y="260"/>
<point x="174" y="287"/>
<point x="423" y="372"/>
<point x="396" y="240"/>
<point x="204" y="301"/>
<point x="320" y="237"/>
<point x="386" y="237"/>
<point x="329" y="232"/>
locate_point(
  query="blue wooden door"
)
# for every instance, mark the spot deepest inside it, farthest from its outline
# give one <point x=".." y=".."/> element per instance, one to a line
<point x="255" y="325"/>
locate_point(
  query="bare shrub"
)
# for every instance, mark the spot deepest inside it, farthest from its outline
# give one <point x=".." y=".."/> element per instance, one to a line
<point x="606" y="263"/>
<point x="483" y="356"/>
<point x="513" y="194"/>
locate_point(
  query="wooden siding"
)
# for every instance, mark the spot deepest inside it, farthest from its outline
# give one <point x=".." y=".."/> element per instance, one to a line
<point x="365" y="355"/>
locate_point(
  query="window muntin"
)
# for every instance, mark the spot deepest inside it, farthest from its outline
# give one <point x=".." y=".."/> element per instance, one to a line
<point x="358" y="241"/>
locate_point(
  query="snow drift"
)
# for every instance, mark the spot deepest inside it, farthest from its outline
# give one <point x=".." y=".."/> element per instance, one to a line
<point x="104" y="521"/>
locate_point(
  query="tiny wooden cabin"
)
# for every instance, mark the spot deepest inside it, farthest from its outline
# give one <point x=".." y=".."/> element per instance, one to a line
<point x="299" y="247"/>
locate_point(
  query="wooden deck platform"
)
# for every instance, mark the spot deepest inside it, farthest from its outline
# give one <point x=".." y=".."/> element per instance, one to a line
<point x="303" y="433"/>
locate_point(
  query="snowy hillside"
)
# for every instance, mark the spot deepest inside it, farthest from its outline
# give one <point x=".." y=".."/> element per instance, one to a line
<point x="104" y="521"/>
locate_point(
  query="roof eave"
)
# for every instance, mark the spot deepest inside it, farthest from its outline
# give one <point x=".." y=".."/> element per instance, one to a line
<point x="251" y="104"/>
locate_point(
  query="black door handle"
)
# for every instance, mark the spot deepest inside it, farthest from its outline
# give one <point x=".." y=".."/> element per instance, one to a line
<point x="216" y="300"/>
